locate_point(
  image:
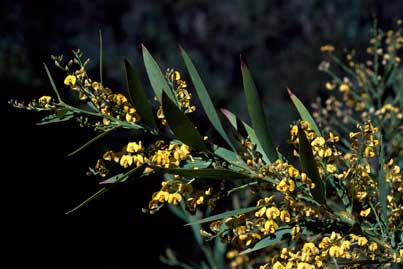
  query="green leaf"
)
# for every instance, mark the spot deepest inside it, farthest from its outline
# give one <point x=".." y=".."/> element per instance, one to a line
<point x="137" y="95"/>
<point x="268" y="241"/>
<point x="231" y="157"/>
<point x="208" y="173"/>
<point x="52" y="83"/>
<point x="91" y="198"/>
<point x="99" y="136"/>
<point x="256" y="114"/>
<point x="249" y="131"/>
<point x="157" y="79"/>
<point x="115" y="179"/>
<point x="205" y="99"/>
<point x="197" y="162"/>
<point x="112" y="180"/>
<point x="304" y="113"/>
<point x="225" y="215"/>
<point x="382" y="184"/>
<point x="57" y="117"/>
<point x="181" y="125"/>
<point x="308" y="165"/>
<point x="100" y="57"/>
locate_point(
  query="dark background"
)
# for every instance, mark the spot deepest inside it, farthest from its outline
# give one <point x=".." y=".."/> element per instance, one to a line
<point x="279" y="39"/>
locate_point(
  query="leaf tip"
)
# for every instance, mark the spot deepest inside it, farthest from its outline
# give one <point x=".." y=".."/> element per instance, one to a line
<point x="243" y="65"/>
<point x="289" y="92"/>
<point x="224" y="111"/>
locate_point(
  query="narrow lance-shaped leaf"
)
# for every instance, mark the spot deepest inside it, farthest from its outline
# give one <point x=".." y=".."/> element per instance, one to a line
<point x="208" y="173"/>
<point x="269" y="240"/>
<point x="181" y="125"/>
<point x="101" y="79"/>
<point x="137" y="95"/>
<point x="112" y="180"/>
<point x="308" y="165"/>
<point x="205" y="99"/>
<point x="256" y="113"/>
<point x="249" y="130"/>
<point x="304" y="113"/>
<point x="157" y="79"/>
<point x="382" y="184"/>
<point x="52" y="83"/>
<point x="231" y="157"/>
<point x="96" y="138"/>
<point x="91" y="198"/>
<point x="54" y="118"/>
<point x="226" y="214"/>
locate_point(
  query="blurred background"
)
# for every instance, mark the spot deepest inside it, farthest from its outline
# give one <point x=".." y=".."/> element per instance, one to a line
<point x="280" y="41"/>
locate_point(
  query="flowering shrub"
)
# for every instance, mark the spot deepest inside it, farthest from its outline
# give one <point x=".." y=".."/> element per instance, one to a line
<point x="337" y="202"/>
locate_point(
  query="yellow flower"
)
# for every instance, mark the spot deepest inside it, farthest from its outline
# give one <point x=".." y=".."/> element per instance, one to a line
<point x="364" y="213"/>
<point x="270" y="227"/>
<point x="330" y="86"/>
<point x="327" y="48"/>
<point x="318" y="141"/>
<point x="285" y="216"/>
<point x="126" y="161"/>
<point x="45" y="100"/>
<point x="325" y="242"/>
<point x="369" y="152"/>
<point x="70" y="80"/>
<point x="272" y="212"/>
<point x="331" y="168"/>
<point x="161" y="196"/>
<point x="295" y="232"/>
<point x="278" y="265"/>
<point x="345" y="245"/>
<point x="344" y="87"/>
<point x="335" y="251"/>
<point x="373" y="246"/>
<point x="304" y="265"/>
<point x="119" y="98"/>
<point x="362" y="241"/>
<point x="286" y="185"/>
<point x="360" y="195"/>
<point x="174" y="198"/>
<point x="260" y="212"/>
<point x="133" y="147"/>
<point x="294" y="131"/>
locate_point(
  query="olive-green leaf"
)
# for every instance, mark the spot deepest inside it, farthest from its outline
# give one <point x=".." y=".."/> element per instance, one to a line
<point x="249" y="130"/>
<point x="205" y="99"/>
<point x="382" y="184"/>
<point x="137" y="95"/>
<point x="181" y="125"/>
<point x="226" y="214"/>
<point x="197" y="163"/>
<point x="231" y="157"/>
<point x="304" y="113"/>
<point x="96" y="138"/>
<point x="86" y="201"/>
<point x="101" y="78"/>
<point x="52" y="83"/>
<point x="256" y="113"/>
<point x="111" y="181"/>
<point x="54" y="118"/>
<point x="208" y="173"/>
<point x="308" y="165"/>
<point x="269" y="240"/>
<point x="157" y="79"/>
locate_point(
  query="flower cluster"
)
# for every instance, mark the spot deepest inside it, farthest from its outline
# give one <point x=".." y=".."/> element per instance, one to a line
<point x="333" y="201"/>
<point x="367" y="90"/>
<point x="182" y="95"/>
